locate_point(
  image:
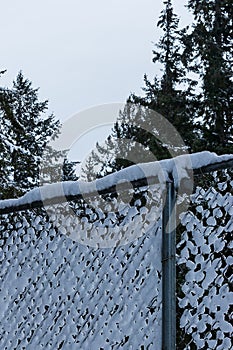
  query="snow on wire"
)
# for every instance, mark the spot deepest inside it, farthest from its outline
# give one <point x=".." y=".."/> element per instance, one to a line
<point x="59" y="294"/>
<point x="175" y="168"/>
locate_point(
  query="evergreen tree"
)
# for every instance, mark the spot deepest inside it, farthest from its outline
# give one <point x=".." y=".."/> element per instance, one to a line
<point x="25" y="132"/>
<point x="5" y="145"/>
<point x="165" y="95"/>
<point x="68" y="170"/>
<point x="172" y="94"/>
<point x="208" y="52"/>
<point x="194" y="93"/>
<point x="90" y="169"/>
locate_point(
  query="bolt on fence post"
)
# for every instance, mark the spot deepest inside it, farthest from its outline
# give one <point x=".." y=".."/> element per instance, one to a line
<point x="169" y="269"/>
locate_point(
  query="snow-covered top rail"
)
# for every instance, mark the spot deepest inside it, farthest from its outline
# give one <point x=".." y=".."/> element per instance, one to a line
<point x="144" y="174"/>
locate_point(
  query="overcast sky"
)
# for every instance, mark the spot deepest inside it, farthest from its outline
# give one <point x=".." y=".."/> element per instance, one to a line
<point x="80" y="53"/>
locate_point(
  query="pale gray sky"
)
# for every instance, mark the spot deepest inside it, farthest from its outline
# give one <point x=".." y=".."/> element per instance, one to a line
<point x="80" y="53"/>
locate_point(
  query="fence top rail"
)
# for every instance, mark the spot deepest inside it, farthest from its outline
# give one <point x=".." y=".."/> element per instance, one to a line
<point x="139" y="175"/>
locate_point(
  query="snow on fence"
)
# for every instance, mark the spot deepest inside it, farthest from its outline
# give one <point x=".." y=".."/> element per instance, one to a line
<point x="204" y="265"/>
<point x="89" y="273"/>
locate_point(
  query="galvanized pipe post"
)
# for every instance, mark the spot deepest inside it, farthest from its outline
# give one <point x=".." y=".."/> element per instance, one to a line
<point x="169" y="269"/>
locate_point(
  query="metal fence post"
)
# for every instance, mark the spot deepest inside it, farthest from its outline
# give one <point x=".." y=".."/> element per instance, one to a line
<point x="169" y="269"/>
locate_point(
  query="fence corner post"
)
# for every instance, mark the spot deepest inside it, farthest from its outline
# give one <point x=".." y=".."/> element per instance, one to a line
<point x="169" y="269"/>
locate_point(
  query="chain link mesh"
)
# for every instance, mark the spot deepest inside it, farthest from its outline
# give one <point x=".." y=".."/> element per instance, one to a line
<point x="61" y="294"/>
<point x="88" y="275"/>
<point x="204" y="259"/>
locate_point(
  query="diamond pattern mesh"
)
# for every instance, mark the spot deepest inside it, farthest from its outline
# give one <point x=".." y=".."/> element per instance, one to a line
<point x="205" y="265"/>
<point x="88" y="276"/>
<point x="61" y="294"/>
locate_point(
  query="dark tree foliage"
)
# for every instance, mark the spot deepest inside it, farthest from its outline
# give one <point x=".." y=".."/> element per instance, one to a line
<point x="170" y="95"/>
<point x="68" y="170"/>
<point x="25" y="132"/>
<point x="208" y="52"/>
<point x="194" y="92"/>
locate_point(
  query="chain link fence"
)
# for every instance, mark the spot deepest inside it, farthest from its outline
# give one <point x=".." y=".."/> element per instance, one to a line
<point x="204" y="265"/>
<point x="65" y="285"/>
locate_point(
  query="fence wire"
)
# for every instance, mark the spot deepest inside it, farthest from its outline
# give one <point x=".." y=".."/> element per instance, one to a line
<point x="204" y="265"/>
<point x="62" y="294"/>
<point x="87" y="274"/>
